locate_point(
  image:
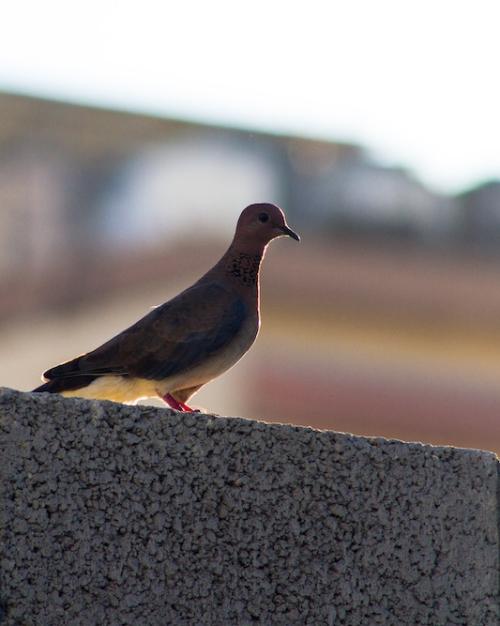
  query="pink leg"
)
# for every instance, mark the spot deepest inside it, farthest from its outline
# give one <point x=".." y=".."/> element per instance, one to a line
<point x="175" y="404"/>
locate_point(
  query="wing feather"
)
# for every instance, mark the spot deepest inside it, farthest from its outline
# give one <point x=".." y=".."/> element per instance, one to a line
<point x="170" y="339"/>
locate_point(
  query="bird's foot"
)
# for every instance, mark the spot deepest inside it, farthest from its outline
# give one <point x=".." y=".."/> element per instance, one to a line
<point x="177" y="405"/>
<point x="185" y="407"/>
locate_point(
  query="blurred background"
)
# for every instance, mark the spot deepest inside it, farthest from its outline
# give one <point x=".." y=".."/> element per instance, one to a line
<point x="133" y="134"/>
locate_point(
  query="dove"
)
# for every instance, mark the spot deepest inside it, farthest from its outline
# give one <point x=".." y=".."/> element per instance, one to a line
<point x="189" y="340"/>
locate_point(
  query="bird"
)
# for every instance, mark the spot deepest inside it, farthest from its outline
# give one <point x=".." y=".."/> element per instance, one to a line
<point x="189" y="340"/>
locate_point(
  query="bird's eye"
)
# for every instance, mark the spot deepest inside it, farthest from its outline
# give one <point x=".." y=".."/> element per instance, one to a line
<point x="263" y="217"/>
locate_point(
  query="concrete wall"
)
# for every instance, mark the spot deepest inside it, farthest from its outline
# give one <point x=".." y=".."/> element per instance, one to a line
<point x="117" y="515"/>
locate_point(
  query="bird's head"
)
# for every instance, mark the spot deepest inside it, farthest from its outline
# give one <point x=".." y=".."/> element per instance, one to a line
<point x="261" y="223"/>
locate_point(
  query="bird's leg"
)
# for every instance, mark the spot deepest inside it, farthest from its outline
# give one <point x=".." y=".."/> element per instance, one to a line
<point x="176" y="404"/>
<point x="172" y="402"/>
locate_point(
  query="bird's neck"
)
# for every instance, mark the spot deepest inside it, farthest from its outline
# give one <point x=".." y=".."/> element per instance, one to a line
<point x="241" y="264"/>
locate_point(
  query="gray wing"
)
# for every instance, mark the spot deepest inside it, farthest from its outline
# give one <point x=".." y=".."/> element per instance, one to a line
<point x="171" y="339"/>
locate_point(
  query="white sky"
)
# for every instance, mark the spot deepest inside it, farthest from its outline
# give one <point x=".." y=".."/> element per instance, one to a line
<point x="415" y="82"/>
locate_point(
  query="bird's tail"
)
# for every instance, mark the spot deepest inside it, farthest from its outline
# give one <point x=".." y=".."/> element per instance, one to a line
<point x="69" y="383"/>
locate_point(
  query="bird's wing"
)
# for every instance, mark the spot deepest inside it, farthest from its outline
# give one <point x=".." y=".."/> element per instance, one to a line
<point x="172" y="338"/>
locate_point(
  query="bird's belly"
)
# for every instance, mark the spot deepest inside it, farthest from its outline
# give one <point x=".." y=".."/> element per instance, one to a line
<point x="116" y="388"/>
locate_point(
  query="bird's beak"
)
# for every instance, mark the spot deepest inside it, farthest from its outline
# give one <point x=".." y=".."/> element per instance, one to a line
<point x="289" y="232"/>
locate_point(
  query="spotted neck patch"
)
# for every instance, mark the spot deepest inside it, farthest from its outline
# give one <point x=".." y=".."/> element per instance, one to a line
<point x="244" y="267"/>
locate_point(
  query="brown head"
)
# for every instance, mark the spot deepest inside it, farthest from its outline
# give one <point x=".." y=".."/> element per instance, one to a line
<point x="260" y="223"/>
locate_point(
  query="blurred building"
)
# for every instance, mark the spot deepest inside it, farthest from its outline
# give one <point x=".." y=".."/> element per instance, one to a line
<point x="78" y="182"/>
<point x="380" y="322"/>
<point x="359" y="199"/>
<point x="479" y="217"/>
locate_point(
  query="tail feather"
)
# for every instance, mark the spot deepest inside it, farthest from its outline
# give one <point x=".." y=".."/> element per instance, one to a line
<point x="68" y="368"/>
<point x="70" y="383"/>
<point x="81" y="368"/>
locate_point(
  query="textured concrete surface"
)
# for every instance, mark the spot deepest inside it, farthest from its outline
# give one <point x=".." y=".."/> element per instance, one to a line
<point x="118" y="515"/>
